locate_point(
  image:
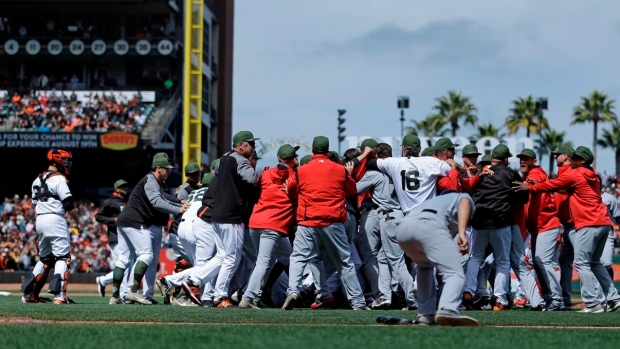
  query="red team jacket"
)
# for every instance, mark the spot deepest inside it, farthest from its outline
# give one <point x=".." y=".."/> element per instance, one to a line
<point x="584" y="195"/>
<point x="323" y="187"/>
<point x="274" y="209"/>
<point x="358" y="173"/>
<point x="540" y="210"/>
<point x="561" y="199"/>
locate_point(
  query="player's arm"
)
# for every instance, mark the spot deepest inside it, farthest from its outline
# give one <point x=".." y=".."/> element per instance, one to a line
<point x="104" y="214"/>
<point x="246" y="171"/>
<point x="157" y="199"/>
<point x="291" y="184"/>
<point x="66" y="199"/>
<point x="449" y="182"/>
<point x="562" y="182"/>
<point x="182" y="194"/>
<point x="349" y="186"/>
<point x="367" y="182"/>
<point x="464" y="213"/>
<point x="469" y="184"/>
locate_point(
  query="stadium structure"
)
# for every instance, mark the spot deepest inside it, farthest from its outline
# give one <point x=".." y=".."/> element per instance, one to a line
<point x="115" y="82"/>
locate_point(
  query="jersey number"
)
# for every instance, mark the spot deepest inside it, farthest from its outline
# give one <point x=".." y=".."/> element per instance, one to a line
<point x="196" y="195"/>
<point x="410" y="180"/>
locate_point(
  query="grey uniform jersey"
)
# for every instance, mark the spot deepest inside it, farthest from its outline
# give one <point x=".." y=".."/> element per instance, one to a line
<point x="381" y="189"/>
<point x="612" y="206"/>
<point x="446" y="208"/>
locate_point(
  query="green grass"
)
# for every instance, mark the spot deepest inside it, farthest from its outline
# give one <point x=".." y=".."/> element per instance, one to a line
<point x="275" y="328"/>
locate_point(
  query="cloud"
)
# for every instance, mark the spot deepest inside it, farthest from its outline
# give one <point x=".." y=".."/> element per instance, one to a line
<point x="438" y="43"/>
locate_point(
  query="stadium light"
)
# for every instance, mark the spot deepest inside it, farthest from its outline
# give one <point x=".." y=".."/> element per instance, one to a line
<point x="403" y="103"/>
<point x="341" y="128"/>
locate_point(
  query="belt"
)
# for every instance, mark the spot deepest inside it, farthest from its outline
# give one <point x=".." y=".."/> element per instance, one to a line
<point x="429" y="210"/>
<point x="372" y="207"/>
<point x="386" y="211"/>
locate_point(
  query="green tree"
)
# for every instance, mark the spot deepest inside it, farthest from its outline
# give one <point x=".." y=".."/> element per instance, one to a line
<point x="611" y="139"/>
<point x="488" y="130"/>
<point x="524" y="114"/>
<point x="595" y="108"/>
<point x="549" y="141"/>
<point x="454" y="109"/>
<point x="431" y="126"/>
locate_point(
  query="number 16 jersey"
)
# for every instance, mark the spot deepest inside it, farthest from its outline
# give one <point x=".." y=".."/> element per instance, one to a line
<point x="415" y="179"/>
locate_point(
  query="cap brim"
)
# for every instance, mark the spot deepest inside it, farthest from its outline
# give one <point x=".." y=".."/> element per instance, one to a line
<point x="524" y="156"/>
<point x="170" y="167"/>
<point x="477" y="154"/>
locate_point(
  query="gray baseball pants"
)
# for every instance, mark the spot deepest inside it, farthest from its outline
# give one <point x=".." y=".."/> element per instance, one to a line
<point x="271" y="244"/>
<point x="426" y="239"/>
<point x="395" y="256"/>
<point x="546" y="254"/>
<point x="369" y="243"/>
<point x="588" y="244"/>
<point x="331" y="243"/>
<point x="526" y="277"/>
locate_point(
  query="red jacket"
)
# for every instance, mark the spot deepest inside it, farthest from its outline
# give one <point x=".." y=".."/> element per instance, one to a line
<point x="540" y="210"/>
<point x="454" y="181"/>
<point x="358" y="174"/>
<point x="275" y="208"/>
<point x="584" y="196"/>
<point x="323" y="187"/>
<point x="561" y="199"/>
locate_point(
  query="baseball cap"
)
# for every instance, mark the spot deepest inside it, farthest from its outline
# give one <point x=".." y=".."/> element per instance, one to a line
<point x="564" y="149"/>
<point x="244" y="136"/>
<point x="411" y="141"/>
<point x="320" y="144"/>
<point x="206" y="178"/>
<point x="470" y="149"/>
<point x="191" y="167"/>
<point x="120" y="183"/>
<point x="529" y="153"/>
<point x="161" y="160"/>
<point x="486" y="160"/>
<point x="255" y="155"/>
<point x="501" y="151"/>
<point x="214" y="163"/>
<point x="585" y="153"/>
<point x="428" y="151"/>
<point x="306" y="159"/>
<point x="444" y="143"/>
<point x="369" y="142"/>
<point x="287" y="152"/>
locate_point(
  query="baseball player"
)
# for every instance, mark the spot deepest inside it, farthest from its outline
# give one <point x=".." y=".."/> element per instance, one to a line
<point x="591" y="229"/>
<point x="431" y="245"/>
<point x="614" y="214"/>
<point x="52" y="199"/>
<point x="146" y="201"/>
<point x="235" y="176"/>
<point x="107" y="214"/>
<point x="271" y="221"/>
<point x="384" y="196"/>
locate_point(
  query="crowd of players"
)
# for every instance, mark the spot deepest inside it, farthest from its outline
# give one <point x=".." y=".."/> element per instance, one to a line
<point x="351" y="221"/>
<point x="64" y="112"/>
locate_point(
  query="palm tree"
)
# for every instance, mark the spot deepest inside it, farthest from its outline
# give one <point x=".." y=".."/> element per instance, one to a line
<point x="524" y="113"/>
<point x="595" y="108"/>
<point x="488" y="130"/>
<point x="549" y="141"/>
<point x="431" y="126"/>
<point x="455" y="107"/>
<point x="611" y="139"/>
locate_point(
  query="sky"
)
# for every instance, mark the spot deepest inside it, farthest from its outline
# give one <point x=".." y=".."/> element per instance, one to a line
<point x="297" y="62"/>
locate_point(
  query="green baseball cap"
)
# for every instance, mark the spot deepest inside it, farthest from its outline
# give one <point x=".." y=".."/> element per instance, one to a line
<point x="287" y="152"/>
<point x="320" y="144"/>
<point x="529" y="153"/>
<point x="206" y="178"/>
<point x="120" y="183"/>
<point x="255" y="155"/>
<point x="444" y="143"/>
<point x="564" y="149"/>
<point x="161" y="160"/>
<point x="486" y="160"/>
<point x="214" y="163"/>
<point x="470" y="149"/>
<point x="501" y="151"/>
<point x="369" y="142"/>
<point x="191" y="167"/>
<point x="244" y="136"/>
<point x="585" y="153"/>
<point x="428" y="151"/>
<point x="411" y="141"/>
<point x="306" y="159"/>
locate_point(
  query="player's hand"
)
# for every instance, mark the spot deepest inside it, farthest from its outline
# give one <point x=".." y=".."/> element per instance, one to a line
<point x="349" y="165"/>
<point x="531" y="180"/>
<point x="265" y="168"/>
<point x="284" y="187"/>
<point x="520" y="186"/>
<point x="487" y="172"/>
<point x="367" y="150"/>
<point x="463" y="244"/>
<point x="452" y="163"/>
<point x="184" y="207"/>
<point x="471" y="171"/>
<point x="183" y="201"/>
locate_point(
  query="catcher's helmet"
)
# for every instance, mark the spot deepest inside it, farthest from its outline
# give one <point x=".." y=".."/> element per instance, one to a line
<point x="61" y="158"/>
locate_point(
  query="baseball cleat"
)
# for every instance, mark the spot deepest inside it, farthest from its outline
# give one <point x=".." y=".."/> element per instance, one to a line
<point x="326" y="303"/>
<point x="499" y="306"/>
<point x="192" y="292"/>
<point x="455" y="320"/>
<point x="425" y="320"/>
<point x="468" y="301"/>
<point x="613" y="305"/>
<point x="247" y="305"/>
<point x="207" y="303"/>
<point x="597" y="309"/>
<point x="378" y="304"/>
<point x="224" y="303"/>
<point x="137" y="297"/>
<point x="521" y="302"/>
<point x="100" y="287"/>
<point x="361" y="308"/>
<point x="162" y="284"/>
<point x="60" y="301"/>
<point x="114" y="300"/>
<point x="289" y="304"/>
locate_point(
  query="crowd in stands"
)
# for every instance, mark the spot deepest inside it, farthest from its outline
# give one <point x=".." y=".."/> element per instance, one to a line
<point x="64" y="112"/>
